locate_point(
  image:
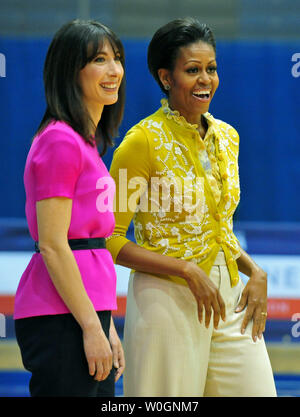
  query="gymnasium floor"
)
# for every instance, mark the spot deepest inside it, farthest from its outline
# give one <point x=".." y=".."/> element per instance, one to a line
<point x="284" y="353"/>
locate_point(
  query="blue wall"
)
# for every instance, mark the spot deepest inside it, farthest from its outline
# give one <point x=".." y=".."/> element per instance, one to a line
<point x="257" y="95"/>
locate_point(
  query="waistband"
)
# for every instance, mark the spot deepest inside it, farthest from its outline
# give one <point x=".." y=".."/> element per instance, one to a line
<point x="220" y="259"/>
<point x="79" y="244"/>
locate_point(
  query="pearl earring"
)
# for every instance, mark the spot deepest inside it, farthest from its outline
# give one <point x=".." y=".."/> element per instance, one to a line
<point x="167" y="87"/>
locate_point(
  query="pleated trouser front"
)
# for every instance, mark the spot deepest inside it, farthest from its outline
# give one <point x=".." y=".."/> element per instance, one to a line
<point x="169" y="353"/>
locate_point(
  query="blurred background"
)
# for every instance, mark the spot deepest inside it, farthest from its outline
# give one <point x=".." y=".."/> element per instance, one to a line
<point x="258" y="54"/>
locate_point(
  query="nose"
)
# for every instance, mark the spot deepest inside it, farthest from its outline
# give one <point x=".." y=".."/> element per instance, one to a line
<point x="204" y="77"/>
<point x="115" y="68"/>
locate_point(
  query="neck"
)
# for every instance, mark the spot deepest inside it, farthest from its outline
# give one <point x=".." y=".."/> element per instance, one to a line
<point x="194" y="119"/>
<point x="202" y="126"/>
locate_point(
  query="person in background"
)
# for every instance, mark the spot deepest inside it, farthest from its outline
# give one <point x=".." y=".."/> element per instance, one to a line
<point x="191" y="328"/>
<point x="65" y="296"/>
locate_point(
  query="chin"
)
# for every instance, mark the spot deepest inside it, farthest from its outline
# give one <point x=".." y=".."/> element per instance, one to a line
<point x="111" y="101"/>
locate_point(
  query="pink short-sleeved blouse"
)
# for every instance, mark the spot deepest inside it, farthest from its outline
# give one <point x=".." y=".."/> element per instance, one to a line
<point x="61" y="164"/>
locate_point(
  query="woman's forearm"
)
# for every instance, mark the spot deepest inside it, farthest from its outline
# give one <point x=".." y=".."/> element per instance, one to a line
<point x="66" y="277"/>
<point x="133" y="256"/>
<point x="140" y="259"/>
<point x="246" y="264"/>
<point x="206" y="294"/>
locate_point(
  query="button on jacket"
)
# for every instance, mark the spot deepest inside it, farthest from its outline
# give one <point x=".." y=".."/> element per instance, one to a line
<point x="181" y="191"/>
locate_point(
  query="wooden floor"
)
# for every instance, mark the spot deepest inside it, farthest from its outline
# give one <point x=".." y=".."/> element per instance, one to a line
<point x="10" y="357"/>
<point x="285" y="357"/>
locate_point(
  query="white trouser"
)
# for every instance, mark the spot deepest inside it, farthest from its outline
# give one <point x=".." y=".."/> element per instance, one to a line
<point x="169" y="353"/>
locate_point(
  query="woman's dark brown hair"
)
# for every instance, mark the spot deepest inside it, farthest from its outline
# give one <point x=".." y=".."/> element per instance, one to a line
<point x="73" y="46"/>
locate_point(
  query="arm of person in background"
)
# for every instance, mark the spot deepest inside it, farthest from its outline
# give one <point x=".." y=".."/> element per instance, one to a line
<point x="129" y="254"/>
<point x="53" y="217"/>
<point x="254" y="295"/>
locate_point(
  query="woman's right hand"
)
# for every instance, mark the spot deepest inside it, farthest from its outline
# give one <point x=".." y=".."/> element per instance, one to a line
<point x="98" y="353"/>
<point x="206" y="294"/>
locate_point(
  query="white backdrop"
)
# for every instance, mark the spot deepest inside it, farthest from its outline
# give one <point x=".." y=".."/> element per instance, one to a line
<point x="283" y="273"/>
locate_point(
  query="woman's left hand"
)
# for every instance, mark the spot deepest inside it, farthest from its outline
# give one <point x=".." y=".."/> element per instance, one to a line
<point x="254" y="296"/>
<point x="117" y="351"/>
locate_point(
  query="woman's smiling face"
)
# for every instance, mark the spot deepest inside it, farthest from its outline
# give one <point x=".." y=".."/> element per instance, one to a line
<point x="100" y="79"/>
<point x="193" y="81"/>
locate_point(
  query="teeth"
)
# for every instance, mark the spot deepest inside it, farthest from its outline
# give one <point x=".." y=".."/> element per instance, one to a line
<point x="202" y="92"/>
<point x="108" y="85"/>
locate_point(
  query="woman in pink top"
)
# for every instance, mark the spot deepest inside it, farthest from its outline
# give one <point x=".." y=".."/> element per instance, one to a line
<point x="64" y="299"/>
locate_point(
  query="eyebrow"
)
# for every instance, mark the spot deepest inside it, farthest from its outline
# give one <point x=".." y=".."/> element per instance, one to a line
<point x="105" y="53"/>
<point x="199" y="62"/>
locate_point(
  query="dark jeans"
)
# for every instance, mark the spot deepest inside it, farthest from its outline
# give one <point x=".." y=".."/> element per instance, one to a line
<point x="52" y="350"/>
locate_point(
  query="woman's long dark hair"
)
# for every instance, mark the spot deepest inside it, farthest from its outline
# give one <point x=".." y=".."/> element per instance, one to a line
<point x="73" y="46"/>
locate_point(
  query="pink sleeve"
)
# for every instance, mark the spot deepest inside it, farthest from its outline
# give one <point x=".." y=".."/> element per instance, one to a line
<point x="57" y="164"/>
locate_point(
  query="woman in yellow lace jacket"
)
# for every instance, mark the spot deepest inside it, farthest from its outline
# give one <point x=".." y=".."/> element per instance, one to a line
<point x="191" y="327"/>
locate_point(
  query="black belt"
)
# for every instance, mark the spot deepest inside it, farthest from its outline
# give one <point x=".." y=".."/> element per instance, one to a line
<point x="78" y="244"/>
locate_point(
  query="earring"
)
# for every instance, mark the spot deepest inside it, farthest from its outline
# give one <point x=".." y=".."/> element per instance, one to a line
<point x="167" y="87"/>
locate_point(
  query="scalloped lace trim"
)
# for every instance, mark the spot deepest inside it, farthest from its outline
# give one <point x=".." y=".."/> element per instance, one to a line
<point x="175" y="115"/>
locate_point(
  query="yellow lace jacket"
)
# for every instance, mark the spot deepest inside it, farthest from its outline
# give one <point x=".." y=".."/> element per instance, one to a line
<point x="181" y="191"/>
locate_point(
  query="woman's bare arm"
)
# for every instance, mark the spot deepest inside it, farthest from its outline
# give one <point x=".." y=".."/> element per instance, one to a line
<point x="205" y="292"/>
<point x="254" y="295"/>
